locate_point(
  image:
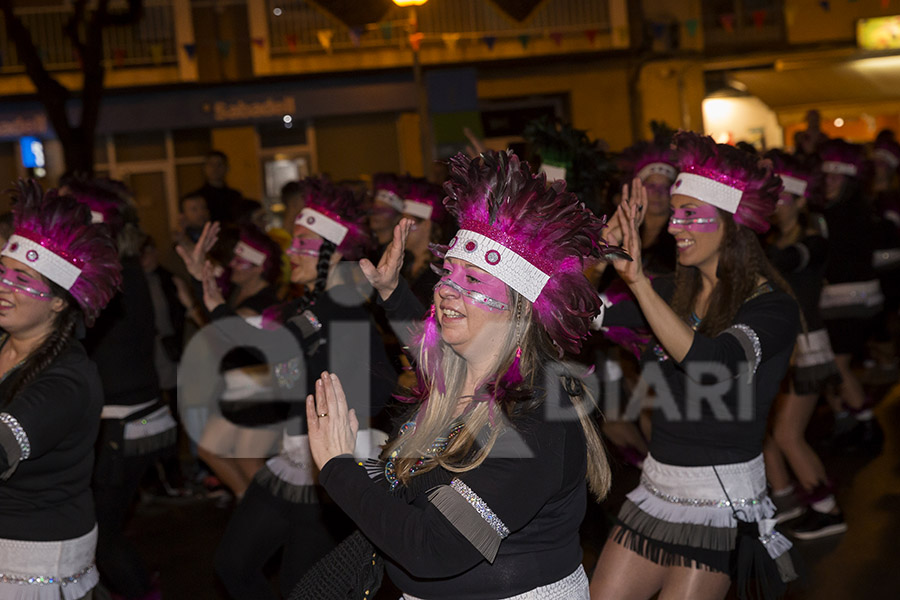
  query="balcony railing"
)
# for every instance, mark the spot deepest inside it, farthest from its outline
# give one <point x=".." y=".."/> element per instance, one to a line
<point x="150" y="41"/>
<point x="295" y="25"/>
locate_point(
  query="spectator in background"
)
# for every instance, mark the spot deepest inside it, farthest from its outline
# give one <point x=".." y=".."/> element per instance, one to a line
<point x="226" y="205"/>
<point x="294" y="200"/>
<point x="194" y="215"/>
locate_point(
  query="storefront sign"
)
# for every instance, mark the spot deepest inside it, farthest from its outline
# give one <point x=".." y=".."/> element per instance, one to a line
<point x="880" y="33"/>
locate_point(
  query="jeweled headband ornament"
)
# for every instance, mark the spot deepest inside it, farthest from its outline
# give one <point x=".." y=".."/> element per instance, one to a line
<point x="532" y="237"/>
<point x="335" y="214"/>
<point x="55" y="237"/>
<point x="727" y="178"/>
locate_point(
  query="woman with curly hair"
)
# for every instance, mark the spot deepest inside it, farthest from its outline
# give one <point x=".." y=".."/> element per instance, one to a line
<point x="57" y="272"/>
<point x="480" y="494"/>
<point x="725" y="329"/>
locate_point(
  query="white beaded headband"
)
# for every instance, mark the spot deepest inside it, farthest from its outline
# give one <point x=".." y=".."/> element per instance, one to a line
<point x="886" y="156"/>
<point x="46" y="262"/>
<point x="390" y="198"/>
<point x="708" y="190"/>
<point x="657" y="168"/>
<point x="323" y="225"/>
<point x="417" y="209"/>
<point x="498" y="260"/>
<point x="793" y="185"/>
<point x="839" y="168"/>
<point x="250" y="254"/>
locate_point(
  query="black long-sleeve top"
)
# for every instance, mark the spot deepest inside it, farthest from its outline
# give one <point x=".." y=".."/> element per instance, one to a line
<point x="850" y="240"/>
<point x="803" y="266"/>
<point x="508" y="526"/>
<point x="47" y="497"/>
<point x="707" y="409"/>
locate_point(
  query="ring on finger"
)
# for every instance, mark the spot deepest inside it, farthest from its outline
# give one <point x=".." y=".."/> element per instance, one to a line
<point x="320" y="415"/>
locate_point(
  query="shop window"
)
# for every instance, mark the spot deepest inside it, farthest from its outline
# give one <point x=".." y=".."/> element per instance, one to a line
<point x="190" y="143"/>
<point x="141" y="146"/>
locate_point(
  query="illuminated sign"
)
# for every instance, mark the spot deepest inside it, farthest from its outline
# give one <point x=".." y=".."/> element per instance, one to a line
<point x="879" y="33"/>
<point x="32" y="152"/>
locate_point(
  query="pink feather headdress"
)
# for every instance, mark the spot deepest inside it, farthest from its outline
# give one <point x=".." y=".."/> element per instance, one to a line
<point x="843" y="158"/>
<point x="388" y="190"/>
<point x="424" y="199"/>
<point x="727" y="178"/>
<point x="648" y="158"/>
<point x="887" y="150"/>
<point x="54" y="236"/>
<point x="108" y="199"/>
<point x="336" y="214"/>
<point x="798" y="178"/>
<point x="532" y="237"/>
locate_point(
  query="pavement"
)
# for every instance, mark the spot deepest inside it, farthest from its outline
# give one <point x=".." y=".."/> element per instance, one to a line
<point x="178" y="537"/>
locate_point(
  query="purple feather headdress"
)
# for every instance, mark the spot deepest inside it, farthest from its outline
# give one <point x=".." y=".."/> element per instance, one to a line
<point x="532" y="237"/>
<point x="648" y="158"/>
<point x="54" y="236"/>
<point x="388" y="190"/>
<point x="424" y="199"/>
<point x="887" y="150"/>
<point x="798" y="178"/>
<point x="107" y="199"/>
<point x="727" y="178"/>
<point x="336" y="214"/>
<point x="843" y="158"/>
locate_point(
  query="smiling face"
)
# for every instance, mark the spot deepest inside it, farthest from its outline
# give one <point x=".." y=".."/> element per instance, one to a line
<point x="473" y="309"/>
<point x="657" y="186"/>
<point x="698" y="232"/>
<point x="26" y="303"/>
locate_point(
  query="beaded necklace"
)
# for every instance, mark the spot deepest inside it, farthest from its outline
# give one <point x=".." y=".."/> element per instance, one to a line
<point x="438" y="446"/>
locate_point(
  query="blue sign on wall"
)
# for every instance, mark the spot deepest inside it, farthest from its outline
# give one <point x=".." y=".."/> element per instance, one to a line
<point x="32" y="152"/>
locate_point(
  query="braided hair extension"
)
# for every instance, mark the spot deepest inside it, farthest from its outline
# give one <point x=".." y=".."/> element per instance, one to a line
<point x="284" y="311"/>
<point x="40" y="358"/>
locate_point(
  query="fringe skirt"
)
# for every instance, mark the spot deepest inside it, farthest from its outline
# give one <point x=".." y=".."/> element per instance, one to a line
<point x="813" y="365"/>
<point x="682" y="516"/>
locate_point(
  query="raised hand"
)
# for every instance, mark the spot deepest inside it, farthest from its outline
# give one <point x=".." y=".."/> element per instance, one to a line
<point x="212" y="295"/>
<point x="195" y="257"/>
<point x="627" y="220"/>
<point x="332" y="427"/>
<point x="386" y="276"/>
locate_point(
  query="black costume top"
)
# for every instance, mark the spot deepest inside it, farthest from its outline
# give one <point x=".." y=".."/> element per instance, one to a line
<point x="47" y="497"/>
<point x="803" y="266"/>
<point x="508" y="526"/>
<point x="708" y="409"/>
<point x="850" y="239"/>
<point x="226" y="205"/>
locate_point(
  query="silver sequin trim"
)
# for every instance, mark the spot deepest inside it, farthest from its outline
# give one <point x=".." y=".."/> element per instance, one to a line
<point x="754" y="341"/>
<point x="740" y="502"/>
<point x="63" y="581"/>
<point x="481" y="506"/>
<point x="18" y="433"/>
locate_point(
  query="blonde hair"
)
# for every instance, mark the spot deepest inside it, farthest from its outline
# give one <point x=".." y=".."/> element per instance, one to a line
<point x="469" y="448"/>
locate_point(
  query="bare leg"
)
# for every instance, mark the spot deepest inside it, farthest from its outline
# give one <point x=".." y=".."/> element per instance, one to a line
<point x="851" y="389"/>
<point x="621" y="574"/>
<point x="789" y="434"/>
<point x="227" y="470"/>
<point x="776" y="469"/>
<point x="249" y="466"/>
<point x="696" y="584"/>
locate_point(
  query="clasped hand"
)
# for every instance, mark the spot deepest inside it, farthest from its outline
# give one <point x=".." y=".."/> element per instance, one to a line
<point x="332" y="427"/>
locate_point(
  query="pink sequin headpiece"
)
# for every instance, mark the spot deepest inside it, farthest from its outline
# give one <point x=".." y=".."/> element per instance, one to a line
<point x="424" y="200"/>
<point x="335" y="214"/>
<point x="843" y="158"/>
<point x="532" y="237"/>
<point x="797" y="178"/>
<point x="887" y="151"/>
<point x="388" y="190"/>
<point x="727" y="178"/>
<point x="108" y="199"/>
<point x="55" y="237"/>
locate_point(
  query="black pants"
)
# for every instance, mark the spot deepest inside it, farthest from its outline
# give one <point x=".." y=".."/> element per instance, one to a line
<point x="116" y="480"/>
<point x="261" y="524"/>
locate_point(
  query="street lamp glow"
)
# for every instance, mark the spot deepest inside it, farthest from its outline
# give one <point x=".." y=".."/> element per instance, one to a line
<point x="276" y="12"/>
<point x="287" y="118"/>
<point x="839" y="122"/>
<point x="410" y="2"/>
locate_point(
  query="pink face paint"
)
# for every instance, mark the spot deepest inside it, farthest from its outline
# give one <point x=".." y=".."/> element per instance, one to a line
<point x="305" y="246"/>
<point x="19" y="282"/>
<point x="702" y="219"/>
<point x="476" y="287"/>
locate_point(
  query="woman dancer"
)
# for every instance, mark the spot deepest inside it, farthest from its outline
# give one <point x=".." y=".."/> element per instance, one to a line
<point x="799" y="251"/>
<point x="423" y="205"/>
<point x="57" y="272"/>
<point x="725" y="331"/>
<point x="481" y="493"/>
<point x="283" y="506"/>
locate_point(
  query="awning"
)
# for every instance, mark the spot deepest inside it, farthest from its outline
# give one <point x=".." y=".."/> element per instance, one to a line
<point x="796" y="85"/>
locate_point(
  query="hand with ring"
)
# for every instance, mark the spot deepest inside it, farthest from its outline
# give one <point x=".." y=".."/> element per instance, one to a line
<point x="332" y="427"/>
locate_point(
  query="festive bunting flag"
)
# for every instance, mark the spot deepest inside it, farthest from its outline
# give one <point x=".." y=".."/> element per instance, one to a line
<point x="489" y="41"/>
<point x="826" y="5"/>
<point x="657" y="30"/>
<point x="727" y="22"/>
<point x="190" y="49"/>
<point x="450" y="40"/>
<point x="387" y="30"/>
<point x="355" y="33"/>
<point x="224" y="47"/>
<point x="291" y="39"/>
<point x="691" y="26"/>
<point x="556" y="37"/>
<point x="325" y="36"/>
<point x="591" y="34"/>
<point x="415" y="40"/>
<point x="156" y="52"/>
<point x="524" y="39"/>
<point x="259" y="42"/>
<point x="759" y="18"/>
<point x="119" y="57"/>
